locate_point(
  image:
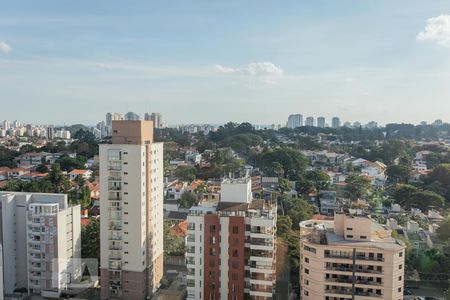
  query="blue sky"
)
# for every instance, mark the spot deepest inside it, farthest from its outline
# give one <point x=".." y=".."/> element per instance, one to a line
<point x="214" y="61"/>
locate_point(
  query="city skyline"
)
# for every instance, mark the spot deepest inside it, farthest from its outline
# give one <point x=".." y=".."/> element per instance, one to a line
<point x="314" y="57"/>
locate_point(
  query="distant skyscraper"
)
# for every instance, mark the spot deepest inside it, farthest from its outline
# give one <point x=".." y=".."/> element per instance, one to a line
<point x="109" y="118"/>
<point x="347" y="124"/>
<point x="50" y="132"/>
<point x="438" y="122"/>
<point x="131" y="228"/>
<point x="372" y="125"/>
<point x="309" y="121"/>
<point x="423" y="123"/>
<point x="131" y="116"/>
<point x="321" y="122"/>
<point x="295" y="121"/>
<point x="356" y="124"/>
<point x="335" y="122"/>
<point x="6" y="125"/>
<point x="156" y="118"/>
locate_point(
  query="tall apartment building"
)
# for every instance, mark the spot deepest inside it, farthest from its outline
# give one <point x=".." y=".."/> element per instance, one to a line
<point x="295" y="121"/>
<point x="131" y="201"/>
<point x="309" y="121"/>
<point x="231" y="247"/>
<point x="336" y="122"/>
<point x="41" y="240"/>
<point x="108" y="121"/>
<point x="350" y="256"/>
<point x="321" y="122"/>
<point x="156" y="118"/>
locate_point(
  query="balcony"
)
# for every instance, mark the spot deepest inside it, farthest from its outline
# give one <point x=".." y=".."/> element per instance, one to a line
<point x="191" y="239"/>
<point x="350" y="269"/>
<point x="115" y="178"/>
<point x="115" y="257"/>
<point x="357" y="257"/>
<point x="338" y="291"/>
<point x="115" y="237"/>
<point x="115" y="247"/>
<point x="190" y="250"/>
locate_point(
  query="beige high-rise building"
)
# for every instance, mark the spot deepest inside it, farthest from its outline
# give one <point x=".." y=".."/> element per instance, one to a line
<point x="41" y="243"/>
<point x="131" y="202"/>
<point x="352" y="256"/>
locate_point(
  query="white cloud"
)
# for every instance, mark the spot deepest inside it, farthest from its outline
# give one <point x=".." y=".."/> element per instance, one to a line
<point x="5" y="48"/>
<point x="226" y="70"/>
<point x="437" y="29"/>
<point x="104" y="66"/>
<point x="266" y="69"/>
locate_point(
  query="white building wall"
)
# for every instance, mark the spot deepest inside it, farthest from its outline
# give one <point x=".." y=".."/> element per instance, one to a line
<point x="157" y="199"/>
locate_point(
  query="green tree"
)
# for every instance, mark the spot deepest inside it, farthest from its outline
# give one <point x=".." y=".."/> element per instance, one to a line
<point x="357" y="186"/>
<point x="185" y="173"/>
<point x="187" y="200"/>
<point x="90" y="240"/>
<point x="444" y="230"/>
<point x="284" y="225"/>
<point x="400" y="173"/>
<point x="426" y="199"/>
<point x="42" y="169"/>
<point x="293" y="163"/>
<point x="59" y="181"/>
<point x="298" y="210"/>
<point x="320" y="179"/>
<point x="284" y="186"/>
<point x="403" y="194"/>
<point x="173" y="245"/>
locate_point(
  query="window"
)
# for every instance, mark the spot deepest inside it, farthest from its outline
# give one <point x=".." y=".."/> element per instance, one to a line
<point x="400" y="254"/>
<point x="349" y="236"/>
<point x="400" y="267"/>
<point x="306" y="293"/>
<point x="306" y="271"/>
<point x="363" y="237"/>
<point x="349" y="229"/>
<point x="399" y="278"/>
<point x="235" y="230"/>
<point x="306" y="281"/>
<point x="306" y="260"/>
<point x="234" y="276"/>
<point x="235" y="253"/>
<point x="399" y="289"/>
<point x="212" y="251"/>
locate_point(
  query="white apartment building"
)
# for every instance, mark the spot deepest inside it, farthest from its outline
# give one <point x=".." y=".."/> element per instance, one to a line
<point x="41" y="240"/>
<point x="335" y="122"/>
<point x="231" y="247"/>
<point x="310" y="121"/>
<point x="321" y="122"/>
<point x="352" y="255"/>
<point x="131" y="201"/>
<point x="295" y="121"/>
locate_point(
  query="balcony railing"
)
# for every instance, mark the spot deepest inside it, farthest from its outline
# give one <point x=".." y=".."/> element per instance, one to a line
<point x="358" y="257"/>
<point x="357" y="270"/>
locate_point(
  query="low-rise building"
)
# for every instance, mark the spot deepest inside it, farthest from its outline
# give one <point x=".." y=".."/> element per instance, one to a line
<point x="351" y="255"/>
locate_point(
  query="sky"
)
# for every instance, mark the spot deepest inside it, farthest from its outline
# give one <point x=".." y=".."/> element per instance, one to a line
<point x="216" y="61"/>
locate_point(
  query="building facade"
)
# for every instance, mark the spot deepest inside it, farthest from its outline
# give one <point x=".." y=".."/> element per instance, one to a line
<point x="309" y="121"/>
<point x="336" y="122"/>
<point x="41" y="240"/>
<point x="295" y="121"/>
<point x="350" y="256"/>
<point x="231" y="247"/>
<point x="321" y="122"/>
<point x="131" y="201"/>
